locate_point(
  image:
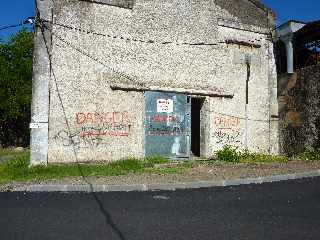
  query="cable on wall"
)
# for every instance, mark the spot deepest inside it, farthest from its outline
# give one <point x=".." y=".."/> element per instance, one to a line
<point x="147" y="41"/>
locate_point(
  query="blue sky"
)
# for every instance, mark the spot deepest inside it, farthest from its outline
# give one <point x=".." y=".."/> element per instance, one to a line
<point x="15" y="11"/>
<point x="306" y="10"/>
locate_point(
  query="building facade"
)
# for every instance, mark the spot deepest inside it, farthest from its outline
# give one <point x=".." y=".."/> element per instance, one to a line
<point x="122" y="78"/>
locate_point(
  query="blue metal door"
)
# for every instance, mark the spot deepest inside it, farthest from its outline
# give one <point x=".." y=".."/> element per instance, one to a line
<point x="167" y="124"/>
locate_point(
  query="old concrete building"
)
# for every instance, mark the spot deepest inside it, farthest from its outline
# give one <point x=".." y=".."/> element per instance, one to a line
<point x="134" y="78"/>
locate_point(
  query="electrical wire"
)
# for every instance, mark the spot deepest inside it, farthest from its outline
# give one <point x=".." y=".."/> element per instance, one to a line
<point x="148" y="41"/>
<point x="10" y="26"/>
<point x="92" y="57"/>
<point x="29" y="20"/>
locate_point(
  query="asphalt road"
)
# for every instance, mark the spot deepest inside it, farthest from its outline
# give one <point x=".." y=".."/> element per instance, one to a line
<point x="285" y="210"/>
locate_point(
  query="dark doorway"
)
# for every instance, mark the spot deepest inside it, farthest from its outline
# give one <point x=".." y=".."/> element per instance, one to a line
<point x="196" y="105"/>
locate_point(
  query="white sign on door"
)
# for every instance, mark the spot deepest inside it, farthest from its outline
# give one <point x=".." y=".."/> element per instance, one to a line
<point x="164" y="105"/>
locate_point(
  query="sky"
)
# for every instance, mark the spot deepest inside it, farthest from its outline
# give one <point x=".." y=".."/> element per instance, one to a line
<point x="305" y="11"/>
<point x="15" y="11"/>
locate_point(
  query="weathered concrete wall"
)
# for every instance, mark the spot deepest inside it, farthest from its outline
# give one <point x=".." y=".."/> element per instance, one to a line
<point x="300" y="110"/>
<point x="229" y="114"/>
<point x="252" y="14"/>
<point x="169" y="45"/>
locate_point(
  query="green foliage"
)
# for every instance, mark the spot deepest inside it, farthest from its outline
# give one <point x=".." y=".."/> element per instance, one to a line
<point x="157" y="159"/>
<point x="11" y="153"/>
<point x="247" y="157"/>
<point x="228" y="154"/>
<point x="310" y="155"/>
<point x="17" y="168"/>
<point x="16" y="88"/>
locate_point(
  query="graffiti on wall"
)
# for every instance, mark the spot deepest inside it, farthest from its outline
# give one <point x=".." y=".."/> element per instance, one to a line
<point x="74" y="139"/>
<point x="165" y="125"/>
<point x="226" y="129"/>
<point x="104" y="124"/>
<point x="94" y="129"/>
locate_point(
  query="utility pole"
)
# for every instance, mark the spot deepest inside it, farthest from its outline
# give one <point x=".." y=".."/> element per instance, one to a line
<point x="40" y="85"/>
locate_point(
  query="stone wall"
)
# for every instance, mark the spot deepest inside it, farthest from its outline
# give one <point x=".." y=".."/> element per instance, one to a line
<point x="300" y="110"/>
<point x="168" y="45"/>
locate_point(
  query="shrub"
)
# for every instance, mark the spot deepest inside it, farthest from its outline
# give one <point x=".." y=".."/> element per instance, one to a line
<point x="310" y="155"/>
<point x="228" y="154"/>
<point x="231" y="154"/>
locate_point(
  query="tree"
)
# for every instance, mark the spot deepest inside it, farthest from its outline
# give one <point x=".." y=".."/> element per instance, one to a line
<point x="16" y="89"/>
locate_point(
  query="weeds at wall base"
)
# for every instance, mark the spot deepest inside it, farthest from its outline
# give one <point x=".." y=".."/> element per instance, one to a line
<point x="233" y="155"/>
<point x="309" y="155"/>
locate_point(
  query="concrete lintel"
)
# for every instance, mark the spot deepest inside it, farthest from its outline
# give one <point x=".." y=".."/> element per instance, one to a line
<point x="210" y="93"/>
<point x="116" y="3"/>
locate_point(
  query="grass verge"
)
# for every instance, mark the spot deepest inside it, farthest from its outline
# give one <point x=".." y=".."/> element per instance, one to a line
<point x="18" y="170"/>
<point x="7" y="154"/>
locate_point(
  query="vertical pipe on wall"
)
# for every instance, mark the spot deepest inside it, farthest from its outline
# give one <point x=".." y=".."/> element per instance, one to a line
<point x="248" y="64"/>
<point x="289" y="51"/>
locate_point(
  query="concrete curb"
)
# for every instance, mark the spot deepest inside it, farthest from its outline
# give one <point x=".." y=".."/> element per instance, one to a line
<point x="157" y="187"/>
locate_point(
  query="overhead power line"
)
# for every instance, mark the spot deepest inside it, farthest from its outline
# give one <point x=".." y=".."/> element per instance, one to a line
<point x="29" y="20"/>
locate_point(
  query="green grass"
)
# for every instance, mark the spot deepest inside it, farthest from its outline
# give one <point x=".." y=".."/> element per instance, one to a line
<point x="18" y="169"/>
<point x="262" y="158"/>
<point x="156" y="160"/>
<point x="11" y="153"/>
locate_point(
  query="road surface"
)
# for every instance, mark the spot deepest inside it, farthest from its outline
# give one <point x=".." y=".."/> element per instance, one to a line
<point x="284" y="210"/>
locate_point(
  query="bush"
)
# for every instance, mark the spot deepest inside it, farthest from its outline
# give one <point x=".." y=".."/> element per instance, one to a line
<point x="228" y="154"/>
<point x="310" y="155"/>
<point x="231" y="154"/>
